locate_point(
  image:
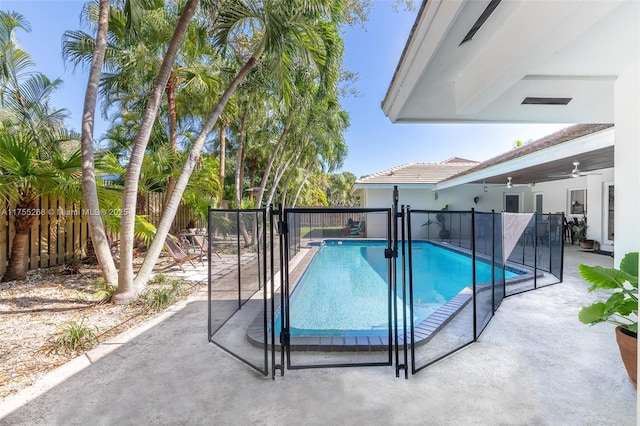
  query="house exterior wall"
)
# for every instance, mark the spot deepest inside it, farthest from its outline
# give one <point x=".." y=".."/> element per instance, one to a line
<point x="627" y="158"/>
<point x="460" y="198"/>
<point x="555" y="199"/>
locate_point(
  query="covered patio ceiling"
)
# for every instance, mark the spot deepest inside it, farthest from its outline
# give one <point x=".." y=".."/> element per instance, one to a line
<point x="549" y="171"/>
<point x="547" y="159"/>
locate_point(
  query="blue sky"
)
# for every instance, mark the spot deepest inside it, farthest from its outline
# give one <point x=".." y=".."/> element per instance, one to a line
<point x="375" y="144"/>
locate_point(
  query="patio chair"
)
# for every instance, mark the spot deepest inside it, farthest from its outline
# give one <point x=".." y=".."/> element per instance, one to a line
<point x="177" y="254"/>
<point x="203" y="243"/>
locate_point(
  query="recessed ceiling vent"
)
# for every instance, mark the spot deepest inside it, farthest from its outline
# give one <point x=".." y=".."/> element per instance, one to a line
<point x="481" y="20"/>
<point x="545" y="101"/>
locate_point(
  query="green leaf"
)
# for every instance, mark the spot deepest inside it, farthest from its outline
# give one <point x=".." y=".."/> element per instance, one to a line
<point x="630" y="265"/>
<point x="626" y="308"/>
<point x="633" y="327"/>
<point x="615" y="299"/>
<point x="603" y="278"/>
<point x="593" y="314"/>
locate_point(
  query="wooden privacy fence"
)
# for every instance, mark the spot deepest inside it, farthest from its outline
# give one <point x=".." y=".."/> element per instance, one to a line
<point x="314" y="220"/>
<point x="60" y="233"/>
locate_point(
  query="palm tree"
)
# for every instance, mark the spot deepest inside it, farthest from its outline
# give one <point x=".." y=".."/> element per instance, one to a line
<point x="24" y="178"/>
<point x="285" y="32"/>
<point x="89" y="188"/>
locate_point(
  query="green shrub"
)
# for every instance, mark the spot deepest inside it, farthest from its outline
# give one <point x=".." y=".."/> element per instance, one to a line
<point x="157" y="299"/>
<point x="74" y="336"/>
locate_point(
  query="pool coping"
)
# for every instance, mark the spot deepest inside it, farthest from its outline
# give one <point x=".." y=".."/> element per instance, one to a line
<point x="423" y="331"/>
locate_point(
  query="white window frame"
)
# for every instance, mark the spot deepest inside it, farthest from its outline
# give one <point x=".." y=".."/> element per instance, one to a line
<point x="516" y="194"/>
<point x="535" y="202"/>
<point x="605" y="215"/>
<point x="579" y="209"/>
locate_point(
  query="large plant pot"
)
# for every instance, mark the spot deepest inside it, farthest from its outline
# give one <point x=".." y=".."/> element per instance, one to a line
<point x="444" y="234"/>
<point x="586" y="244"/>
<point x="628" y="345"/>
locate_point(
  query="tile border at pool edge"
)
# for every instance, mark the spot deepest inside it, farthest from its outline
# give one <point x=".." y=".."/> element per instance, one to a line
<point x="423" y="331"/>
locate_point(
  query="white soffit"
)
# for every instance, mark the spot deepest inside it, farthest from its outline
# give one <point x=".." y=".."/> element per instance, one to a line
<point x="572" y="49"/>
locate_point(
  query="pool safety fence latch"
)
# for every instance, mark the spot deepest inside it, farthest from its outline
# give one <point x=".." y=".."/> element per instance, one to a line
<point x="283" y="227"/>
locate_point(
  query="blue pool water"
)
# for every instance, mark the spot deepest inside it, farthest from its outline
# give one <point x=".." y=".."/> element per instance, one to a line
<point x="344" y="290"/>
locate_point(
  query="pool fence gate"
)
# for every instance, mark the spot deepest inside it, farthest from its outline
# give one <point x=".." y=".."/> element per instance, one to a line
<point x="301" y="271"/>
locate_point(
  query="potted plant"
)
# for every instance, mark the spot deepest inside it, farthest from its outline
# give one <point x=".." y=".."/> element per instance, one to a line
<point x="621" y="308"/>
<point x="579" y="229"/>
<point x="440" y="218"/>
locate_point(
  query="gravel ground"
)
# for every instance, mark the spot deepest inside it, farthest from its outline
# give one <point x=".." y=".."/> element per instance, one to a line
<point x="33" y="312"/>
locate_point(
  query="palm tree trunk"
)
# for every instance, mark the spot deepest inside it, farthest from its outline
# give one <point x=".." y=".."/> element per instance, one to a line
<point x="267" y="171"/>
<point x="276" y="179"/>
<point x="295" y="199"/>
<point x="170" y="90"/>
<point x="223" y="159"/>
<point x="181" y="183"/>
<point x="17" y="270"/>
<point x="126" y="290"/>
<point x="240" y="172"/>
<point x="240" y="161"/>
<point x="89" y="189"/>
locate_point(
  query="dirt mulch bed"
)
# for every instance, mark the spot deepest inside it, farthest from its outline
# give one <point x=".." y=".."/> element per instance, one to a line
<point x="34" y="311"/>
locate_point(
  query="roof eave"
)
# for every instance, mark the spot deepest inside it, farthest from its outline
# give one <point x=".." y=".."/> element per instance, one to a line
<point x="432" y="23"/>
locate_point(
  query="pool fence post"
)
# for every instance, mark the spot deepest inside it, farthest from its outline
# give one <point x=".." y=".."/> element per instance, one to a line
<point x="493" y="262"/>
<point x="388" y="254"/>
<point x="473" y="274"/>
<point x="239" y="258"/>
<point x="209" y="223"/>
<point x="535" y="250"/>
<point x="410" y="266"/>
<point x="272" y="276"/>
<point x="404" y="296"/>
<point x="264" y="290"/>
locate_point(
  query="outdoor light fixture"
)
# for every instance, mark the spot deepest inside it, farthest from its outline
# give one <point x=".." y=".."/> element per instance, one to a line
<point x="436" y="196"/>
<point x="476" y="199"/>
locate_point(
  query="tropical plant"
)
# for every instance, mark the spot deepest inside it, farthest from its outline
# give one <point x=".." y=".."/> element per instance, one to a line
<point x="157" y="299"/>
<point x="621" y="307"/>
<point x="24" y="178"/>
<point x="75" y="335"/>
<point x="579" y="229"/>
<point x="283" y="32"/>
<point x="441" y="219"/>
<point x="104" y="291"/>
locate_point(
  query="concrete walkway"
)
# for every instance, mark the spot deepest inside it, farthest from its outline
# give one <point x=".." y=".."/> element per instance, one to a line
<point x="535" y="364"/>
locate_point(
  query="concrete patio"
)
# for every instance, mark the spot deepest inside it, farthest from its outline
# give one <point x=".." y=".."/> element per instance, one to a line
<point x="535" y="364"/>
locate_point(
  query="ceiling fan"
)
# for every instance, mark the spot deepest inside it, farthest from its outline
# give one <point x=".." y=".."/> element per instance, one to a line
<point x="513" y="185"/>
<point x="576" y="172"/>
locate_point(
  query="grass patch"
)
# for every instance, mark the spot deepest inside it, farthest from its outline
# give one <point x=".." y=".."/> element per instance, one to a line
<point x="164" y="293"/>
<point x="75" y="336"/>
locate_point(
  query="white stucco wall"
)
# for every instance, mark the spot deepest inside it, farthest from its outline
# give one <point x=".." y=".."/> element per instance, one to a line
<point x="460" y="198"/>
<point x="627" y="160"/>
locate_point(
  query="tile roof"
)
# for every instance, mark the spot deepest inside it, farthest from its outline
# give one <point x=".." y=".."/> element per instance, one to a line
<point x="431" y="173"/>
<point x="423" y="173"/>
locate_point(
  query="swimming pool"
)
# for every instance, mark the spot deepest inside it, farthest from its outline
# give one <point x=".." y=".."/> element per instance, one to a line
<point x="344" y="290"/>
